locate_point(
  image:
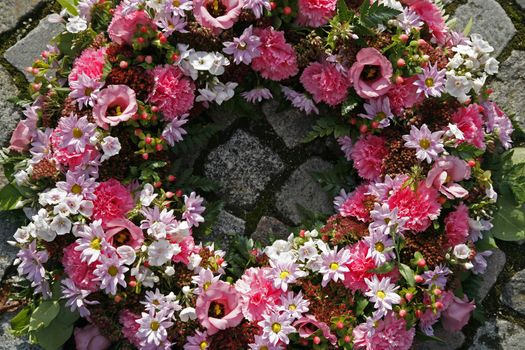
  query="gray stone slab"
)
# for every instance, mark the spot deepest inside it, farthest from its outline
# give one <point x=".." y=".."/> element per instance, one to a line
<point x="270" y="229"/>
<point x="9" y="223"/>
<point x="513" y="294"/>
<point x="301" y="190"/>
<point x="9" y="114"/>
<point x="509" y="88"/>
<point x="521" y="3"/>
<point x="12" y="11"/>
<point x="25" y="51"/>
<point x="453" y="340"/>
<point x="243" y="166"/>
<point x="10" y="342"/>
<point x="490" y="20"/>
<point x="225" y="230"/>
<point x="495" y="264"/>
<point x="499" y="334"/>
<point x="291" y="124"/>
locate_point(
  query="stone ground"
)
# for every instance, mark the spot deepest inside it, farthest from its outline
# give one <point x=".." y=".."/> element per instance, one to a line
<point x="265" y="172"/>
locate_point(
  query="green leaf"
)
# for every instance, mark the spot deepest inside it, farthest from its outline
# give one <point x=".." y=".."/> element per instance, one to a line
<point x="54" y="336"/>
<point x="509" y="220"/>
<point x="371" y="16"/>
<point x="468" y="27"/>
<point x="351" y="102"/>
<point x="20" y="323"/>
<point x="385" y="268"/>
<point x="44" y="314"/>
<point x="423" y="337"/>
<point x="69" y="5"/>
<point x="407" y="274"/>
<point x="10" y="197"/>
<point x="361" y="306"/>
<point x="343" y="12"/>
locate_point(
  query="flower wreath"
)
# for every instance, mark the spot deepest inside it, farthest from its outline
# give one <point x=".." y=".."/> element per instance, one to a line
<point x="109" y="247"/>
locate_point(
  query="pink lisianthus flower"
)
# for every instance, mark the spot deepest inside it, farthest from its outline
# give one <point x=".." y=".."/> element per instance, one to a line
<point x="80" y="272"/>
<point x="470" y="122"/>
<point x="21" y="137"/>
<point x="445" y="174"/>
<point x="222" y="301"/>
<point x="123" y="27"/>
<point x="358" y="204"/>
<point x="420" y="206"/>
<point x="315" y="13"/>
<point x="368" y="154"/>
<point x="217" y="15"/>
<point x="308" y="325"/>
<point x="456" y="313"/>
<point x="371" y="73"/>
<point x="325" y="83"/>
<point x="115" y="104"/>
<point x="113" y="201"/>
<point x="457" y="225"/>
<point x="278" y="59"/>
<point x="172" y="92"/>
<point x="90" y="338"/>
<point x="90" y="63"/>
<point x="389" y="333"/>
<point x="121" y="231"/>
<point x="257" y="293"/>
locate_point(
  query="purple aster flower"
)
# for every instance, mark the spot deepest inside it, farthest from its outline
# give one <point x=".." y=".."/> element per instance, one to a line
<point x="428" y="144"/>
<point x="85" y="90"/>
<point x="41" y="146"/>
<point x="431" y="82"/>
<point x="260" y="343"/>
<point x="480" y="263"/>
<point x="158" y="223"/>
<point x="257" y="95"/>
<point x="178" y="8"/>
<point x="386" y="220"/>
<point x="381" y="247"/>
<point x="437" y="277"/>
<point x="333" y="265"/>
<point x="300" y="101"/>
<point x="174" y="131"/>
<point x="378" y="109"/>
<point x="153" y="328"/>
<point x="199" y="341"/>
<point x="244" y="48"/>
<point x="76" y="297"/>
<point x="78" y="185"/>
<point x="257" y="6"/>
<point x="75" y="132"/>
<point x="409" y="20"/>
<point x="383" y="190"/>
<point x="346" y="146"/>
<point x="92" y="242"/>
<point x="340" y="199"/>
<point x="171" y="24"/>
<point x="382" y="293"/>
<point x="193" y="209"/>
<point x="110" y="272"/>
<point x="30" y="263"/>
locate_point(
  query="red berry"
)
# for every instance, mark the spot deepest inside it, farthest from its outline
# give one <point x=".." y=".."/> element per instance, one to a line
<point x="169" y="194"/>
<point x="138" y="132"/>
<point x="149" y="59"/>
<point x="419" y="313"/>
<point x="317" y="340"/>
<point x="421" y="263"/>
<point x="442" y="199"/>
<point x="157" y="184"/>
<point x="403" y="38"/>
<point x="418" y="279"/>
<point x="154" y="109"/>
<point x="179" y="193"/>
<point x="144" y="116"/>
<point x="163" y="39"/>
<point x="438" y="291"/>
<point x="132" y="284"/>
<point x="301" y="233"/>
<point x="438" y="305"/>
<point x="123" y="64"/>
<point x="340" y="325"/>
<point x="409" y="296"/>
<point x="472" y="163"/>
<point x="172" y="178"/>
<point x="353" y="121"/>
<point x="144" y="29"/>
<point x="347" y="339"/>
<point x="401" y="62"/>
<point x="287" y="10"/>
<point x="148" y="140"/>
<point x="363" y="129"/>
<point x="141" y="40"/>
<point x="489" y="91"/>
<point x="174" y="57"/>
<point x="146" y="264"/>
<point x="402" y="313"/>
<point x="273" y="5"/>
<point x="145" y="156"/>
<point x="140" y="58"/>
<point x="159" y="147"/>
<point x="421" y="42"/>
<point x="118" y="299"/>
<point x="375" y="124"/>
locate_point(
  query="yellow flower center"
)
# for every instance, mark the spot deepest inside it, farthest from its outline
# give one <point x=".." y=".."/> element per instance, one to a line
<point x="284" y="274"/>
<point x="88" y="91"/>
<point x="381" y="294"/>
<point x="379" y="247"/>
<point x="154" y="326"/>
<point x="95" y="243"/>
<point x="203" y="345"/>
<point x="276" y="327"/>
<point x="381" y="115"/>
<point x="76" y="189"/>
<point x="334" y="266"/>
<point x="264" y="347"/>
<point x="118" y="110"/>
<point x="112" y="271"/>
<point x="429" y="82"/>
<point x="176" y="3"/>
<point x="292" y="307"/>
<point x="206" y="285"/>
<point x="424" y="143"/>
<point x="77" y="133"/>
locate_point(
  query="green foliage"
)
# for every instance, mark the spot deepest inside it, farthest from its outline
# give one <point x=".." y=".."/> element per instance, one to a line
<point x="351" y="102"/>
<point x="343" y="12"/>
<point x="10" y="198"/>
<point x="239" y="255"/>
<point x="361" y="306"/>
<point x="333" y="180"/>
<point x="385" y="268"/>
<point x="189" y="182"/>
<point x="20" y="323"/>
<point x="210" y="217"/>
<point x="70" y="6"/>
<point x="46" y="312"/>
<point x="326" y="126"/>
<point x="372" y="15"/>
<point x="407" y="274"/>
<point x="197" y="138"/>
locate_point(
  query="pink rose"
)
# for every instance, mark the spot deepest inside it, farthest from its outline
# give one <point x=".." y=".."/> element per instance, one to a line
<point x="121" y="231"/>
<point x="456" y="313"/>
<point x="222" y="301"/>
<point x="371" y="73"/>
<point x="217" y="14"/>
<point x="90" y="338"/>
<point x="308" y="325"/>
<point x="122" y="28"/>
<point x="21" y="137"/>
<point x="115" y="104"/>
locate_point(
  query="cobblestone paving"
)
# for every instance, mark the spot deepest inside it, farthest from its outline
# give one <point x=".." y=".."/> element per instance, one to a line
<point x="265" y="170"/>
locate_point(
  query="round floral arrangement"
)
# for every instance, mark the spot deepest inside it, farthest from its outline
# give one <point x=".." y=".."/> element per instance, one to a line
<point x="109" y="255"/>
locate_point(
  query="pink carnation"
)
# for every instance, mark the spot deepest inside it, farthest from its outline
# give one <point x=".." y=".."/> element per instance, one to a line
<point x="91" y="63"/>
<point x="358" y="203"/>
<point x="257" y="293"/>
<point x="315" y="13"/>
<point x="172" y="92"/>
<point x="368" y="154"/>
<point x="113" y="201"/>
<point x="389" y="333"/>
<point x="224" y="18"/>
<point x="123" y="27"/>
<point x="404" y="95"/>
<point x="325" y="83"/>
<point x="371" y="73"/>
<point x="470" y="122"/>
<point x="432" y="16"/>
<point x="420" y="206"/>
<point x="358" y="265"/>
<point x="457" y="225"/>
<point x="278" y="60"/>
<point x="80" y="272"/>
<point x="130" y="327"/>
<point x="218" y="307"/>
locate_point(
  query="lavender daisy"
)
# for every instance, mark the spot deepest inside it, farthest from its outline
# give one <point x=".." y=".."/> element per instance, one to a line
<point x="381" y="247"/>
<point x="261" y="343"/>
<point x="257" y="95"/>
<point x="431" y="82"/>
<point x="199" y="341"/>
<point x="204" y="280"/>
<point x="85" y="90"/>
<point x="30" y="263"/>
<point x="409" y="20"/>
<point x="333" y="265"/>
<point x="41" y="146"/>
<point x="76" y="297"/>
<point x="346" y="146"/>
<point x="257" y="6"/>
<point x="171" y="24"/>
<point x="75" y="132"/>
<point x="284" y="271"/>
<point x="382" y="293"/>
<point x="78" y="185"/>
<point x="294" y="304"/>
<point x="437" y="277"/>
<point x="276" y="328"/>
<point x="174" y="131"/>
<point x="193" y="209"/>
<point x="158" y="223"/>
<point x="153" y="328"/>
<point x="300" y="101"/>
<point x="385" y="220"/>
<point x="178" y="8"/>
<point x="378" y="109"/>
<point x="428" y="144"/>
<point x="92" y="241"/>
<point x="244" y="48"/>
<point x="110" y="272"/>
